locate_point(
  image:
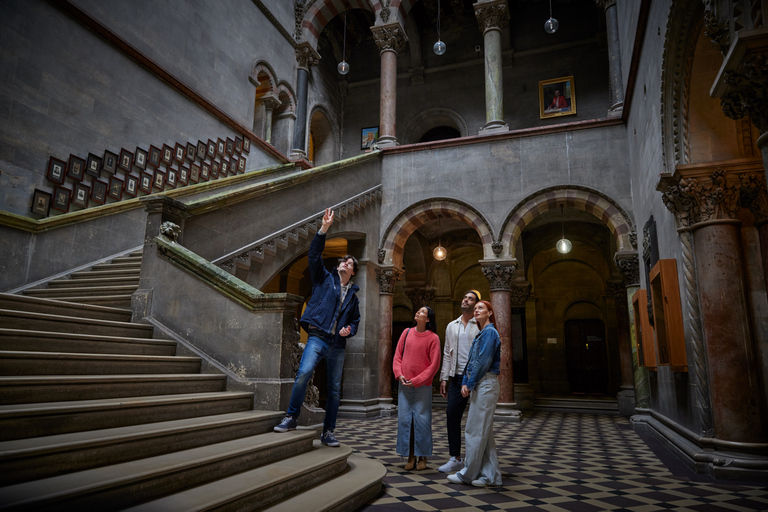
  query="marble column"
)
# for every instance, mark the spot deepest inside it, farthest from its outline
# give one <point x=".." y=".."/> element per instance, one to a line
<point x="306" y="56"/>
<point x="390" y="39"/>
<point x="493" y="16"/>
<point x="614" y="56"/>
<point x="708" y="206"/>
<point x="617" y="290"/>
<point x="634" y="392"/>
<point x="270" y="104"/>
<point x="500" y="275"/>
<point x="388" y="277"/>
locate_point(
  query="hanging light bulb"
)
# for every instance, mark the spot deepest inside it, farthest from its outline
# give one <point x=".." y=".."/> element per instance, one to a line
<point x="563" y="245"/>
<point x="439" y="46"/>
<point x="440" y="252"/>
<point x="343" y="67"/>
<point x="551" y="25"/>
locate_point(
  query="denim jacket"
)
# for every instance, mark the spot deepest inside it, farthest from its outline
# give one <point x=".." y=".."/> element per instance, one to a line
<point x="484" y="356"/>
<point x="326" y="292"/>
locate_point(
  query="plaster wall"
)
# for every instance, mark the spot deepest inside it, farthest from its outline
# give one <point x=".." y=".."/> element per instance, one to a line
<point x="628" y="13"/>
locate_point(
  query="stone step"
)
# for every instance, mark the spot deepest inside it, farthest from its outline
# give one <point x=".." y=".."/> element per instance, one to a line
<point x="126" y="259"/>
<point x="94" y="282"/>
<point x="56" y="388"/>
<point x="577" y="405"/>
<point x="77" y="291"/>
<point x="59" y="323"/>
<point x="41" y="341"/>
<point x="115" y="301"/>
<point x="55" y="307"/>
<point x="117" y="266"/>
<point x="360" y="484"/>
<point x="259" y="487"/>
<point x="93" y="274"/>
<point x="129" y="483"/>
<point x="23" y="460"/>
<point x="53" y="418"/>
<point x="21" y="363"/>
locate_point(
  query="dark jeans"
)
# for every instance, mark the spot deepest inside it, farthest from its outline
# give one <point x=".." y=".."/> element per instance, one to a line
<point x="453" y="412"/>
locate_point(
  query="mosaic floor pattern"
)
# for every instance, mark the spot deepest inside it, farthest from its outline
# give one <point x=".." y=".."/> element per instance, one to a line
<point x="552" y="462"/>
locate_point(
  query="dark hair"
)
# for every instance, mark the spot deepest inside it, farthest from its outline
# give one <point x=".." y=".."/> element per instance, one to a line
<point x="490" y="309"/>
<point x="473" y="292"/>
<point x="355" y="265"/>
<point x="431" y="323"/>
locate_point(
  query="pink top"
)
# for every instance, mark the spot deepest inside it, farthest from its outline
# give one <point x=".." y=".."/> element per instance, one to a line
<point x="422" y="357"/>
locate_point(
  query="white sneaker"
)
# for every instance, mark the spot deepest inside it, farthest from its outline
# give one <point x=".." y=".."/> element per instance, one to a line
<point x="453" y="465"/>
<point x="454" y="479"/>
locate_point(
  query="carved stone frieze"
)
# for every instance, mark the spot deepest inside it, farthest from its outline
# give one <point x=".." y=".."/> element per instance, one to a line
<point x="629" y="265"/>
<point x="388" y="277"/>
<point x="717" y="31"/>
<point x="754" y="195"/>
<point x="493" y="16"/>
<point x="519" y="294"/>
<point x="500" y="276"/>
<point x="389" y="37"/>
<point x="299" y="10"/>
<point x="694" y="200"/>
<point x="748" y="91"/>
<point x="422" y="296"/>
<point x="306" y="56"/>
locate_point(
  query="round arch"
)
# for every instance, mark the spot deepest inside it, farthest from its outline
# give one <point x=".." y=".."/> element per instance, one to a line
<point x="397" y="233"/>
<point x="263" y="69"/>
<point x="325" y="135"/>
<point x="320" y="13"/>
<point x="432" y="118"/>
<point x="582" y="198"/>
<point x="287" y="98"/>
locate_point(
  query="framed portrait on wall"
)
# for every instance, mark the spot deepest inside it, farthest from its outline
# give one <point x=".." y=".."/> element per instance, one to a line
<point x="239" y="144"/>
<point x="221" y="147"/>
<point x="181" y="152"/>
<point x="369" y="136"/>
<point x="246" y="145"/>
<point x="171" y="177"/>
<point x="183" y="175"/>
<point x="211" y="149"/>
<point x="159" y="180"/>
<point x="205" y="171"/>
<point x="99" y="191"/>
<point x="201" y="150"/>
<point x="191" y="151"/>
<point x="131" y="185"/>
<point x="194" y="173"/>
<point x="155" y="156"/>
<point x="41" y="202"/>
<point x="557" y="97"/>
<point x="215" y="165"/>
<point x="93" y="166"/>
<point x="76" y="168"/>
<point x="115" y="188"/>
<point x="61" y="197"/>
<point x="110" y="162"/>
<point x="56" y="170"/>
<point x="145" y="182"/>
<point x="126" y="160"/>
<point x="141" y="159"/>
<point x="80" y="195"/>
<point x="241" y="165"/>
<point x="167" y="157"/>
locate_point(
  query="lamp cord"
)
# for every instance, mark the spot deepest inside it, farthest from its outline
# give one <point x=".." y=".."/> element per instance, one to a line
<point x="438" y="19"/>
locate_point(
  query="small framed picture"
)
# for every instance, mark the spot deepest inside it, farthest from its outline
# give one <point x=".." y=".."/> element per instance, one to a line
<point x="230" y="146"/>
<point x="93" y="165"/>
<point x="172" y="177"/>
<point x="194" y="173"/>
<point x="246" y="145"/>
<point x="155" y="156"/>
<point x="76" y="168"/>
<point x="110" y="162"/>
<point x="181" y="152"/>
<point x="224" y="167"/>
<point x="191" y="151"/>
<point x="241" y="165"/>
<point x="80" y="195"/>
<point x="116" y="188"/>
<point x="369" y="137"/>
<point x="167" y="157"/>
<point x="41" y="202"/>
<point x="205" y="171"/>
<point x="215" y="166"/>
<point x="126" y="160"/>
<point x="234" y="164"/>
<point x="99" y="191"/>
<point x="56" y="170"/>
<point x="141" y="159"/>
<point x="211" y="149"/>
<point x="131" y="185"/>
<point x="557" y="97"/>
<point x="158" y="181"/>
<point x="238" y="144"/>
<point x="201" y="150"/>
<point x="145" y="182"/>
<point x="183" y="176"/>
<point x="61" y="199"/>
<point x="221" y="147"/>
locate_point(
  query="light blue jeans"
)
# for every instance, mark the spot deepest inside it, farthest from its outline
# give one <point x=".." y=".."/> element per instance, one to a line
<point x="481" y="462"/>
<point x="316" y="349"/>
<point x="414" y="410"/>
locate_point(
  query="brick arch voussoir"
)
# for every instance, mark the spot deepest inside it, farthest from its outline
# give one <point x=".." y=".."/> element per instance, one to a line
<point x="322" y="12"/>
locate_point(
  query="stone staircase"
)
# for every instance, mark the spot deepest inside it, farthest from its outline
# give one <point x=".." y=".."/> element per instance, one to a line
<point x="579" y="405"/>
<point x="97" y="414"/>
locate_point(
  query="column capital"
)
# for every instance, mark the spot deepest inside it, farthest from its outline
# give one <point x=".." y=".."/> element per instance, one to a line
<point x="500" y="274"/>
<point x="389" y="37"/>
<point x="420" y="296"/>
<point x="492" y="14"/>
<point x="754" y="195"/>
<point x="628" y="264"/>
<point x="388" y="277"/>
<point x="306" y="56"/>
<point x="746" y="95"/>
<point x="520" y="292"/>
<point x="270" y="101"/>
<point x="701" y="199"/>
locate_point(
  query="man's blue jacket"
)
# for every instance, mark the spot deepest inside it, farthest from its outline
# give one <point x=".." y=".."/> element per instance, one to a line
<point x="326" y="293"/>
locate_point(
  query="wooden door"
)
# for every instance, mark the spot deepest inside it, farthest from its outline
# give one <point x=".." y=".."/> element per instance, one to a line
<point x="586" y="356"/>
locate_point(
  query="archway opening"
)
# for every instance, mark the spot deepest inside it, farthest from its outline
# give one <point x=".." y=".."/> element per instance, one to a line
<point x="321" y="144"/>
<point x="440" y="133"/>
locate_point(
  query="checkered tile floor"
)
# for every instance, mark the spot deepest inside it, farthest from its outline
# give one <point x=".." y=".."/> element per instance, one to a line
<point x="553" y="462"/>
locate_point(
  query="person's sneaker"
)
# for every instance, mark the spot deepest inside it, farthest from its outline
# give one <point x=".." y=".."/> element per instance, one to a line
<point x="288" y="423"/>
<point x="482" y="483"/>
<point x="454" y="479"/>
<point x="329" y="439"/>
<point x="453" y="465"/>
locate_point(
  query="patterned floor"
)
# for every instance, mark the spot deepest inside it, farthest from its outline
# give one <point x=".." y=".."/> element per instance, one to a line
<point x="553" y="462"/>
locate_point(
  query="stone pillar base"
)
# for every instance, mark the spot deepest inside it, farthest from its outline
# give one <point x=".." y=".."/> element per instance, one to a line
<point x="386" y="141"/>
<point x="492" y="127"/>
<point x="508" y="412"/>
<point x="372" y="408"/>
<point x="297" y="154"/>
<point x="626" y="399"/>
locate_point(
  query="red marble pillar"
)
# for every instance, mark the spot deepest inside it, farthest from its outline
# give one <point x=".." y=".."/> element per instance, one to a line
<point x="387" y="279"/>
<point x="390" y="39"/>
<point x="502" y="312"/>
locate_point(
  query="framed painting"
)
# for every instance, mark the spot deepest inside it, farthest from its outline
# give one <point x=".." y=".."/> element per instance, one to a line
<point x="205" y="171"/>
<point x="191" y="151"/>
<point x="167" y="157"/>
<point x="239" y="144"/>
<point x="131" y="185"/>
<point x="145" y="182"/>
<point x="215" y="166"/>
<point x="221" y="147"/>
<point x="61" y="197"/>
<point x="230" y="146"/>
<point x="110" y="162"/>
<point x="241" y="165"/>
<point x="126" y="160"/>
<point x="99" y="191"/>
<point x="155" y="156"/>
<point x="141" y="159"/>
<point x="201" y="150"/>
<point x="172" y="177"/>
<point x="41" y="202"/>
<point x="224" y="167"/>
<point x="76" y="168"/>
<point x="194" y="173"/>
<point x="80" y="195"/>
<point x="93" y="165"/>
<point x="369" y="137"/>
<point x="234" y="164"/>
<point x="56" y="170"/>
<point x="180" y="152"/>
<point x="557" y="97"/>
<point x="158" y="181"/>
<point x="183" y="175"/>
<point x="246" y="145"/>
<point x="115" y="188"/>
<point x="211" y="149"/>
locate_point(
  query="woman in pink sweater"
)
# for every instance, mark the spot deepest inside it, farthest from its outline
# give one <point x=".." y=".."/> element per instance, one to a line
<point x="415" y="364"/>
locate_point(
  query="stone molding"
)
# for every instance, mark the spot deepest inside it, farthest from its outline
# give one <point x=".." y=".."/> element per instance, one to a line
<point x="492" y="15"/>
<point x="629" y="265"/>
<point x="389" y="37"/>
<point x="500" y="274"/>
<point x="520" y="292"/>
<point x="306" y="56"/>
<point x="388" y="278"/>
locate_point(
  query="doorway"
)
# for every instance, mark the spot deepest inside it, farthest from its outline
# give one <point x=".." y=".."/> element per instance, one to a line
<point x="586" y="356"/>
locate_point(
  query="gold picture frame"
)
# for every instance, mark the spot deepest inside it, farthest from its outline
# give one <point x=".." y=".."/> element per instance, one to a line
<point x="557" y="97"/>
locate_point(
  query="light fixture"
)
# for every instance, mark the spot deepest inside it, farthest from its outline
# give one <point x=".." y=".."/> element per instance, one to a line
<point x="343" y="67"/>
<point x="563" y="245"/>
<point x="550" y="26"/>
<point x="440" y="252"/>
<point x="439" y="46"/>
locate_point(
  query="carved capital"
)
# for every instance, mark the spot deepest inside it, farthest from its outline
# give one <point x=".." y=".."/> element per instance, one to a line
<point x="492" y="15"/>
<point x="747" y="93"/>
<point x="270" y="102"/>
<point x="754" y="195"/>
<point x="306" y="56"/>
<point x="500" y="276"/>
<point x="300" y="8"/>
<point x="694" y="200"/>
<point x="519" y="294"/>
<point x="629" y="265"/>
<point x="388" y="277"/>
<point x="420" y="296"/>
<point x="717" y="31"/>
<point x="389" y="37"/>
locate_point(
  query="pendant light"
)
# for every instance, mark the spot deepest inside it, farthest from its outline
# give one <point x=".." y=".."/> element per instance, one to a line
<point x="343" y="67"/>
<point x="439" y="46"/>
<point x="563" y="245"/>
<point x="550" y="26"/>
<point x="440" y="252"/>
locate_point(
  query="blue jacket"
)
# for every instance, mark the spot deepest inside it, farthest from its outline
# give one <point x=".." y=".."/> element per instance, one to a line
<point x="484" y="356"/>
<point x="323" y="305"/>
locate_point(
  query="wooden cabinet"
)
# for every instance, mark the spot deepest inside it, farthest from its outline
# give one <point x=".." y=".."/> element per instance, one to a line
<point x="646" y="351"/>
<point x="668" y="316"/>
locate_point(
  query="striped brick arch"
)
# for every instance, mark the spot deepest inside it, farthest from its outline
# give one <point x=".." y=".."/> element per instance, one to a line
<point x="581" y="198"/>
<point x="321" y="12"/>
<point x="398" y="232"/>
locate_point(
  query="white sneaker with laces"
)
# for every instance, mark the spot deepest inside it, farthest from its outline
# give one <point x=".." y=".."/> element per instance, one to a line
<point x="454" y="479"/>
<point x="453" y="465"/>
